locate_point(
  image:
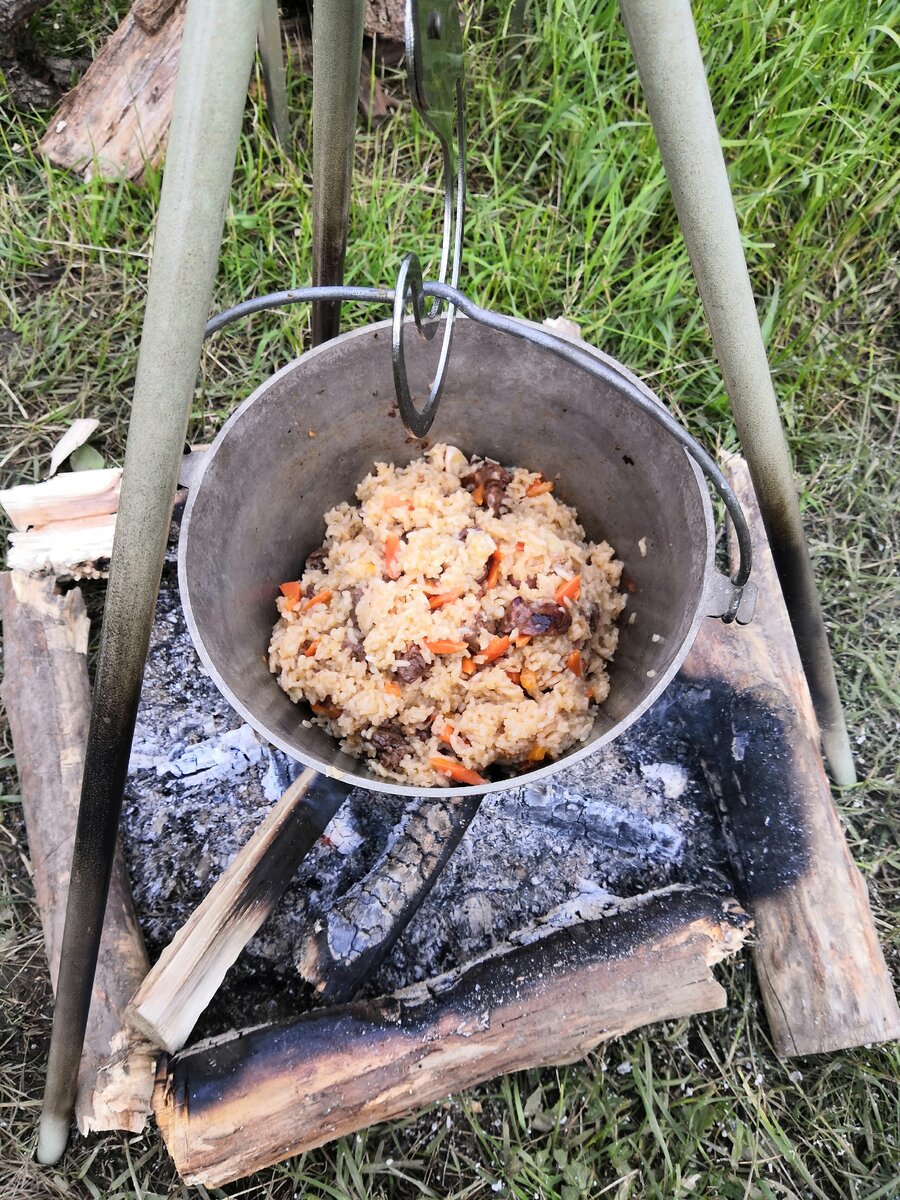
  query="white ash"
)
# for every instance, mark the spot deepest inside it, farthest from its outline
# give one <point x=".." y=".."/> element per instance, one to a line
<point x="631" y="818"/>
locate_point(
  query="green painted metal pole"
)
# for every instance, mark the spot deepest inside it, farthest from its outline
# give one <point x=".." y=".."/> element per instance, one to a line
<point x="271" y="56"/>
<point x="670" y="66"/>
<point x="217" y="54"/>
<point x="337" y="57"/>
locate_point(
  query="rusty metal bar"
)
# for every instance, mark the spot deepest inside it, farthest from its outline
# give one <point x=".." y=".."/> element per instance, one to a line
<point x="337" y="58"/>
<point x="217" y="54"/>
<point x="670" y="66"/>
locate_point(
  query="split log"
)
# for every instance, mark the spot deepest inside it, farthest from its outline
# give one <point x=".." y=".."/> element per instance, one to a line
<point x="823" y="977"/>
<point x="238" y="1104"/>
<point x="67" y="497"/>
<point x="190" y="970"/>
<point x="116" y="120"/>
<point x="47" y="694"/>
<point x="344" y="945"/>
<point x="65" y="549"/>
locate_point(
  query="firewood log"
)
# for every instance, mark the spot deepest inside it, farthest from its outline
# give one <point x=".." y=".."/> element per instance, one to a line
<point x="47" y="696"/>
<point x="821" y="970"/>
<point x="344" y="945"/>
<point x="239" y="1103"/>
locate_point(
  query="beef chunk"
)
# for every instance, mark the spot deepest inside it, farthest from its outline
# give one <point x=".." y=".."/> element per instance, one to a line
<point x="535" y="619"/>
<point x="390" y="745"/>
<point x="594" y="618"/>
<point x="316" y="561"/>
<point x="357" y="649"/>
<point x="494" y="479"/>
<point x="479" y="622"/>
<point x="414" y="668"/>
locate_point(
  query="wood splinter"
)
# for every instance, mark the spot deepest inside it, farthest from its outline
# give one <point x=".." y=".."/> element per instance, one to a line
<point x="347" y="943"/>
<point x="234" y="1105"/>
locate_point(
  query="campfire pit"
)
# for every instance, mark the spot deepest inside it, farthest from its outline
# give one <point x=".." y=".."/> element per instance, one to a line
<point x="574" y="909"/>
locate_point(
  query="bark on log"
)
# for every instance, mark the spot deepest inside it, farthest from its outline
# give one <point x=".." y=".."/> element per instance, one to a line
<point x="151" y="15"/>
<point x="822" y="972"/>
<point x="344" y="945"/>
<point x="47" y="695"/>
<point x="238" y="1104"/>
<point x="190" y="970"/>
<point x="115" y="121"/>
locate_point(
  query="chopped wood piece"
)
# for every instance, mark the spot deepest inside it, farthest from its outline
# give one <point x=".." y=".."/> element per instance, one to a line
<point x="191" y="968"/>
<point x="65" y="497"/>
<point x="115" y="121"/>
<point x="347" y="943"/>
<point x="821" y="970"/>
<point x="65" y="549"/>
<point x="47" y="695"/>
<point x="239" y="1103"/>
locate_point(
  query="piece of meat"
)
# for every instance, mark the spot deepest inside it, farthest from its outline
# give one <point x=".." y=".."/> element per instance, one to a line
<point x="357" y="649"/>
<point x="478" y="622"/>
<point x="413" y="666"/>
<point x="316" y="560"/>
<point x="391" y="746"/>
<point x="535" y="619"/>
<point x="494" y="479"/>
<point x="594" y="618"/>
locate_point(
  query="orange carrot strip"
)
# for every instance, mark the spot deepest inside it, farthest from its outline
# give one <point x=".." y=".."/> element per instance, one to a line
<point x="478" y="494"/>
<point x="447" y="766"/>
<point x="446" y="734"/>
<point x="493" y="571"/>
<point x="494" y="649"/>
<point x="590" y="693"/>
<point x="569" y="589"/>
<point x="290" y="591"/>
<point x="536" y="754"/>
<point x="520" y="546"/>
<point x="515" y="676"/>
<point x="573" y="663"/>
<point x="539" y="487"/>
<point x="319" y="598"/>
<point x="325" y="710"/>
<point x="439" y="599"/>
<point x="445" y="646"/>
<point x="391" y="546"/>
<point x="393" y="688"/>
<point x="310" y="651"/>
<point x="396" y="501"/>
<point x="521" y="639"/>
<point x="469" y="666"/>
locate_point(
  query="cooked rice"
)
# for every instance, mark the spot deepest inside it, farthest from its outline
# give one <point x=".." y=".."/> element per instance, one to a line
<point x="354" y="642"/>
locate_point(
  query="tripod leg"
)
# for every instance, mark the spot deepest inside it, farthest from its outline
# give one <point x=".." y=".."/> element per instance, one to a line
<point x="219" y="42"/>
<point x="337" y="57"/>
<point x="271" y="54"/>
<point x="664" y="42"/>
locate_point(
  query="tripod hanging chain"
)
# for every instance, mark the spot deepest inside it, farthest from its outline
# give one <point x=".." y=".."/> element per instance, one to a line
<point x="434" y="54"/>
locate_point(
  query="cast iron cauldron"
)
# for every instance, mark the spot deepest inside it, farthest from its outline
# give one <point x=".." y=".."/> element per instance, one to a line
<point x="257" y="500"/>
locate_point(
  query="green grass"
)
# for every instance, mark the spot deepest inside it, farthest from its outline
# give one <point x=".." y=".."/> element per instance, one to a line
<point x="569" y="213"/>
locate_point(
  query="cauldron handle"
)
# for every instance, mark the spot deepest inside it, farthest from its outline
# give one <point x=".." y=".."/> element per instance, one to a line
<point x="736" y="605"/>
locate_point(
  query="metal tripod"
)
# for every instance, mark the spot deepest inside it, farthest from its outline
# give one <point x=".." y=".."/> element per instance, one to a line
<point x="219" y="42"/>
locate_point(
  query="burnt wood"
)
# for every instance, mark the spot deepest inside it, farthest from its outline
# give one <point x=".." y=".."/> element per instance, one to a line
<point x="190" y="970"/>
<point x="345" y="944"/>
<point x="821" y="970"/>
<point x="235" y="1105"/>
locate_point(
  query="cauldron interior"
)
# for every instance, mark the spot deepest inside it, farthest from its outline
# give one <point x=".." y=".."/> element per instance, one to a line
<point x="258" y="509"/>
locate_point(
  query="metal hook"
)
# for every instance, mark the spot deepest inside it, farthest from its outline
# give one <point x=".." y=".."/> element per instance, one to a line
<point x="435" y="57"/>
